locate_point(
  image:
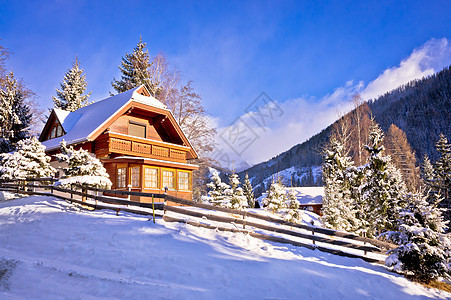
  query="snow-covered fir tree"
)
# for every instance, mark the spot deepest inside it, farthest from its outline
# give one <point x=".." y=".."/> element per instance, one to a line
<point x="423" y="251"/>
<point x="82" y="168"/>
<point x="382" y="190"/>
<point x="338" y="206"/>
<point x="248" y="191"/>
<point x="15" y="115"/>
<point x="71" y="95"/>
<point x="235" y="195"/>
<point x="292" y="213"/>
<point x="135" y="71"/>
<point x="217" y="190"/>
<point x="28" y="161"/>
<point x="276" y="197"/>
<point x="428" y="173"/>
<point x="442" y="170"/>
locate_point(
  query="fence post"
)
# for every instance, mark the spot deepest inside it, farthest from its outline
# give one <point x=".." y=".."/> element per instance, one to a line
<point x="153" y="209"/>
<point x="313" y="233"/>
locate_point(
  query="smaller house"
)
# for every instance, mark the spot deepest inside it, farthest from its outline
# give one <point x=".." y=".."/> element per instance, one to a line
<point x="309" y="197"/>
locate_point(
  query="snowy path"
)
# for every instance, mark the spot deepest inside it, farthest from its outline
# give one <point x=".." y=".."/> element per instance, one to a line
<point x="65" y="252"/>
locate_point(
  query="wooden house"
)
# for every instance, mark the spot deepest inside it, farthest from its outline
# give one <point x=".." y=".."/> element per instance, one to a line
<point x="135" y="136"/>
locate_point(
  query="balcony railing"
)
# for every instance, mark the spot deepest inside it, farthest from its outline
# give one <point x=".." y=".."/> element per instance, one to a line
<point x="123" y="144"/>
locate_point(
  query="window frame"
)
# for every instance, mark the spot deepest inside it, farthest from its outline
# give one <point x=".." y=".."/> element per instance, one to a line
<point x="131" y="167"/>
<point x="188" y="183"/>
<point x="158" y="177"/>
<point x="130" y="122"/>
<point x="122" y="167"/>
<point x="174" y="180"/>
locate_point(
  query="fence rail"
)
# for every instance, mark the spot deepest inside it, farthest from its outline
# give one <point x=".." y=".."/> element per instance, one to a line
<point x="34" y="186"/>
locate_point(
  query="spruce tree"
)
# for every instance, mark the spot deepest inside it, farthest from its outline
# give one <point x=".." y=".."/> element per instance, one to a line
<point x="338" y="206"/>
<point x="292" y="204"/>
<point x="28" y="161"/>
<point x="71" y="95"/>
<point x="275" y="197"/>
<point x="423" y="250"/>
<point x="135" y="69"/>
<point x="442" y="170"/>
<point x="217" y="190"/>
<point x="82" y="168"/>
<point x="15" y="115"/>
<point x="248" y="191"/>
<point x="428" y="172"/>
<point x="383" y="188"/>
<point x="236" y="198"/>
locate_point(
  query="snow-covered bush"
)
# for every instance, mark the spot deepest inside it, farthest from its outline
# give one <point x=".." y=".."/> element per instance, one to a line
<point x="28" y="161"/>
<point x="217" y="189"/>
<point x="82" y="168"/>
<point x="423" y="251"/>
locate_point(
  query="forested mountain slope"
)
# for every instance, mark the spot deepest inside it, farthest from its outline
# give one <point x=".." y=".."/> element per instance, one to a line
<point x="421" y="108"/>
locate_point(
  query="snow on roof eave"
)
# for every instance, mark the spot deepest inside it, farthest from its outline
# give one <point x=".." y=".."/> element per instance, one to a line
<point x="68" y="143"/>
<point x="67" y="119"/>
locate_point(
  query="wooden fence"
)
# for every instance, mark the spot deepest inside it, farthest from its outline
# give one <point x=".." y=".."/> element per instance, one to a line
<point x="289" y="233"/>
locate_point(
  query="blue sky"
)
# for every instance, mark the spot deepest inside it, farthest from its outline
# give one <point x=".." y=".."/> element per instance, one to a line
<point x="298" y="52"/>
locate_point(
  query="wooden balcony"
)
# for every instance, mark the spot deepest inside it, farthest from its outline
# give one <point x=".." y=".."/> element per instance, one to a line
<point x="110" y="143"/>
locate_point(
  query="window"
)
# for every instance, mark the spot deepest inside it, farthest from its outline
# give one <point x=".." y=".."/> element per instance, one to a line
<point x="53" y="133"/>
<point x="121" y="177"/>
<point x="168" y="179"/>
<point x="134" y="176"/>
<point x="137" y="129"/>
<point x="150" y="177"/>
<point x="59" y="130"/>
<point x="183" y="180"/>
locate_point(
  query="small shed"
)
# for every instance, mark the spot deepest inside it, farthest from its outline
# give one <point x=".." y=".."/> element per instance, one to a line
<point x="310" y="197"/>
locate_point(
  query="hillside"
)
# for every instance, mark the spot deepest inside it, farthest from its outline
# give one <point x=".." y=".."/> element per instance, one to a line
<point x="50" y="249"/>
<point x="421" y="108"/>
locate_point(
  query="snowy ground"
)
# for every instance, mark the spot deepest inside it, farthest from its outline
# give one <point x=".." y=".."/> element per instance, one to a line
<point x="50" y="249"/>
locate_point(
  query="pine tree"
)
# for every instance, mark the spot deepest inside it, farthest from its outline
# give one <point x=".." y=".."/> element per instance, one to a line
<point x="15" y="116"/>
<point x="248" y="191"/>
<point x="235" y="195"/>
<point x="423" y="250"/>
<point x="217" y="190"/>
<point x="28" y="161"/>
<point x="70" y="97"/>
<point x="82" y="168"/>
<point x="338" y="206"/>
<point x="383" y="189"/>
<point x="135" y="71"/>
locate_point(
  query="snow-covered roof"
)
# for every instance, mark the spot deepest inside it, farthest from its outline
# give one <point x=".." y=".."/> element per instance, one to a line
<point x="66" y="118"/>
<point x="79" y="125"/>
<point x="305" y="195"/>
<point x="308" y="194"/>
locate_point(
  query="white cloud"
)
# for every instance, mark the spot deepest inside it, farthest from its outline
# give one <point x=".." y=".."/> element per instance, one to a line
<point x="301" y="118"/>
<point x="431" y="57"/>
